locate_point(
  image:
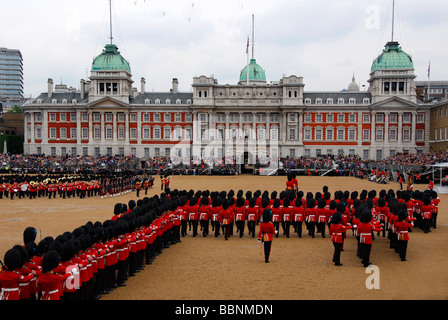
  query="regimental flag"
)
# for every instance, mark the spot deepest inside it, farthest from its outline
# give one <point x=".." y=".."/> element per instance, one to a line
<point x="429" y="69"/>
<point x="247" y="46"/>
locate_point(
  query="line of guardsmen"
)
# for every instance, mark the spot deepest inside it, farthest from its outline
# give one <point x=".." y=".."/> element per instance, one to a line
<point x="81" y="186"/>
<point x="98" y="257"/>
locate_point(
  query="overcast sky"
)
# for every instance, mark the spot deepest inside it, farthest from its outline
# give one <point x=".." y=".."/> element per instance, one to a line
<point x="324" y="41"/>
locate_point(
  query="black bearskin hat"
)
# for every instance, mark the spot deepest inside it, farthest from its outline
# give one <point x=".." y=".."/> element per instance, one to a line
<point x="240" y="202"/>
<point x="12" y="259"/>
<point x="29" y="235"/>
<point x="267" y="215"/>
<point x="298" y="202"/>
<point x="365" y="215"/>
<point x="337" y="217"/>
<point x="50" y="261"/>
<point x="321" y="203"/>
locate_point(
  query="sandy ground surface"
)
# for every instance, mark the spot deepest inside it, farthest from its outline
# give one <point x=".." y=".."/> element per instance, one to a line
<point x="214" y="269"/>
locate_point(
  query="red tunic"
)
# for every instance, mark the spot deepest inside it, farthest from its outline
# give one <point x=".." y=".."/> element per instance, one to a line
<point x="267" y="231"/>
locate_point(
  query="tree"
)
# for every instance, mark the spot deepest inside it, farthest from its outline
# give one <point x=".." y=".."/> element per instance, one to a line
<point x="15" y="109"/>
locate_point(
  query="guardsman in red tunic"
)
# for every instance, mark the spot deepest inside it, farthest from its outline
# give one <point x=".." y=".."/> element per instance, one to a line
<point x="240" y="215"/>
<point x="298" y="216"/>
<point x="322" y="216"/>
<point x="224" y="218"/>
<point x="266" y="234"/>
<point x="204" y="215"/>
<point x="10" y="277"/>
<point x="435" y="200"/>
<point x="426" y="212"/>
<point x="49" y="283"/>
<point x="431" y="184"/>
<point x="252" y="216"/>
<point x="336" y="231"/>
<point x="365" y="232"/>
<point x="193" y="214"/>
<point x="311" y="216"/>
<point x="287" y="212"/>
<point x="276" y="217"/>
<point x="401" y="229"/>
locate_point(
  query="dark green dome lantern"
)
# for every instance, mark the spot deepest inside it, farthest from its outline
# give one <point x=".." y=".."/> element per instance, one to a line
<point x="110" y="60"/>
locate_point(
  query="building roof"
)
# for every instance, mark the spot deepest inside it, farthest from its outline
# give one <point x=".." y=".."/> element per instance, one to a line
<point x="163" y="97"/>
<point x="110" y="59"/>
<point x="392" y="57"/>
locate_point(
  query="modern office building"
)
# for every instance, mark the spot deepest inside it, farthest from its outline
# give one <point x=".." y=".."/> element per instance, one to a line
<point x="11" y="75"/>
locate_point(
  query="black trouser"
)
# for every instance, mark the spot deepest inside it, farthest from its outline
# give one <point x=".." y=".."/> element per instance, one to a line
<point x="365" y="253"/>
<point x="426" y="225"/>
<point x="321" y="228"/>
<point x="225" y="231"/>
<point x="311" y="228"/>
<point x="298" y="228"/>
<point x="267" y="250"/>
<point x="402" y="246"/>
<point x="337" y="253"/>
<point x="195" y="227"/>
<point x="183" y="228"/>
<point x="240" y="227"/>
<point x="434" y="220"/>
<point x="204" y="227"/>
<point x="251" y="227"/>
<point x="216" y="227"/>
<point x="286" y="228"/>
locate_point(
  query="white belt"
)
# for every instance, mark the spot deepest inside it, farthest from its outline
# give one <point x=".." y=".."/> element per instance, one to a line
<point x="51" y="292"/>
<point x="23" y="284"/>
<point x="9" y="289"/>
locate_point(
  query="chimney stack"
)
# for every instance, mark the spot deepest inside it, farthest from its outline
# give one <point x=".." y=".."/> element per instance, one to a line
<point x="50" y="87"/>
<point x="83" y="88"/>
<point x="175" y="86"/>
<point x="142" y="85"/>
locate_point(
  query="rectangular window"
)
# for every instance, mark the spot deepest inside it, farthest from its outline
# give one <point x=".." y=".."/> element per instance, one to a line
<point x="167" y="133"/>
<point x="329" y="134"/>
<point x="85" y="117"/>
<point x="121" y="151"/>
<point x="108" y="117"/>
<point x="365" y="154"/>
<point x="379" y="154"/>
<point x="72" y="133"/>
<point x="96" y="117"/>
<point x="109" y="151"/>
<point x="366" y="118"/>
<point x="380" y="118"/>
<point x="96" y="133"/>
<point x="330" y="118"/>
<point x="307" y="134"/>
<point x="157" y="133"/>
<point x="146" y="134"/>
<point x="74" y="151"/>
<point x="188" y="133"/>
<point x="341" y="134"/>
<point x="421" y="134"/>
<point x="318" y="134"/>
<point x="85" y="151"/>
<point x="421" y="117"/>
<point x="406" y="134"/>
<point x="352" y="118"/>
<point x="379" y="134"/>
<point x="53" y="151"/>
<point x="63" y="117"/>
<point x="366" y="134"/>
<point x="351" y="134"/>
<point x="292" y="134"/>
<point x="108" y="133"/>
<point x="85" y="133"/>
<point x="120" y="133"/>
<point x="341" y="118"/>
<point x="393" y="118"/>
<point x="167" y="117"/>
<point x="307" y="118"/>
<point x="63" y="151"/>
<point x="178" y="117"/>
<point x="53" y="133"/>
<point x="157" y="152"/>
<point x="133" y="133"/>
<point x="121" y="117"/>
<point x="146" y="117"/>
<point x="318" y="118"/>
<point x="274" y="134"/>
<point x="406" y="118"/>
<point x="73" y="117"/>
<point x="38" y="133"/>
<point x="133" y="117"/>
<point x="393" y="134"/>
<point x="63" y="133"/>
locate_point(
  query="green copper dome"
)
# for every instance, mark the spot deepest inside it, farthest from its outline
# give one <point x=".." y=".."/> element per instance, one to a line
<point x="392" y="58"/>
<point x="256" y="73"/>
<point x="110" y="59"/>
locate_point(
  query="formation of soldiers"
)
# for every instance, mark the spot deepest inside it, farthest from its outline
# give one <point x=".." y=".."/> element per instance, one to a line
<point x="98" y="257"/>
<point x="65" y="186"/>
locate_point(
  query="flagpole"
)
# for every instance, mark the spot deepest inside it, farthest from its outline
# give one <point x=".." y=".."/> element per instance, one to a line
<point x="429" y="79"/>
<point x="247" y="68"/>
